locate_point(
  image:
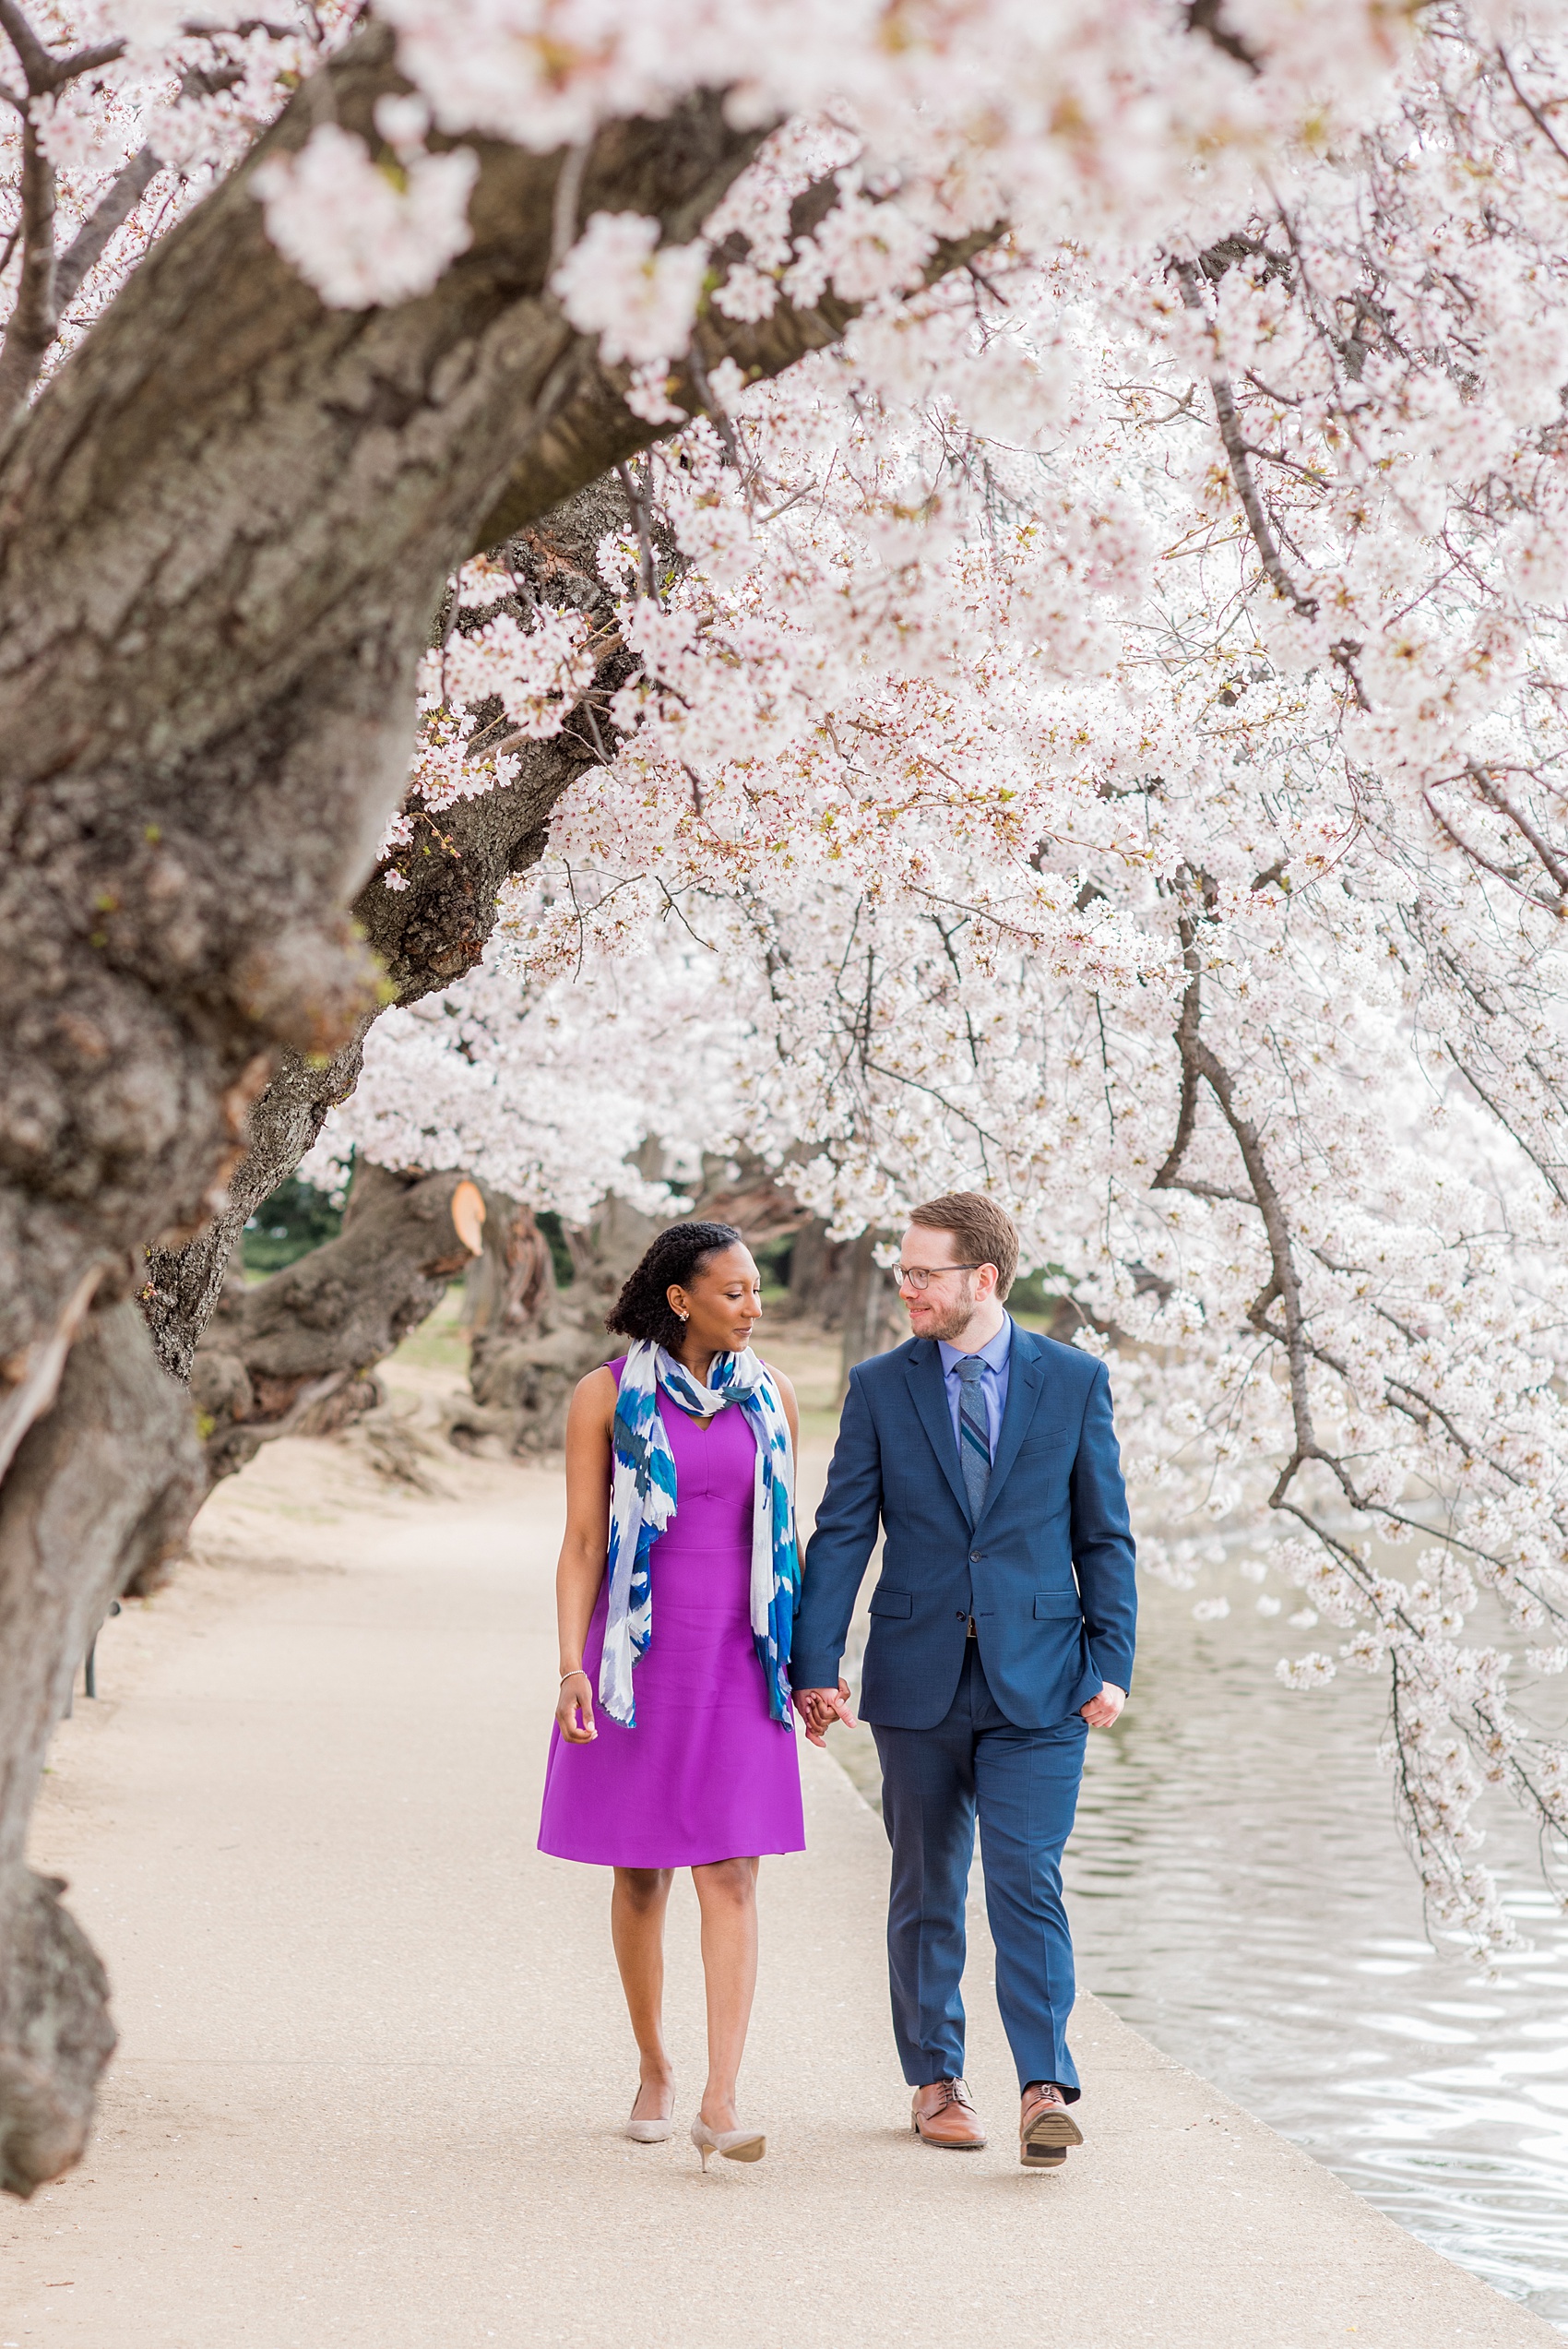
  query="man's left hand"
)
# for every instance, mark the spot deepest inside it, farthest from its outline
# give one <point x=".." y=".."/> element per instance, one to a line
<point x="1102" y="1710"/>
<point x="818" y="1707"/>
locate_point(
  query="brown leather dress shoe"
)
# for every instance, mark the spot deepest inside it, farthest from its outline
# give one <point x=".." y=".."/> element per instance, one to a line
<point x="1045" y="2127"/>
<point x="944" y="2115"/>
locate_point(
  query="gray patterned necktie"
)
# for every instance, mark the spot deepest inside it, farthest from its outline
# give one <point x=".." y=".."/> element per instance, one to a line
<point x="974" y="1432"/>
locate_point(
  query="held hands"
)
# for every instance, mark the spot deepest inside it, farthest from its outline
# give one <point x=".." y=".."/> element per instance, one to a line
<point x="818" y="1707"/>
<point x="574" y="1709"/>
<point x="1102" y="1710"/>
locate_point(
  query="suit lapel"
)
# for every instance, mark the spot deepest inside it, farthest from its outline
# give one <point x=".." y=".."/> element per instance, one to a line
<point x="929" y="1390"/>
<point x="1025" y="1384"/>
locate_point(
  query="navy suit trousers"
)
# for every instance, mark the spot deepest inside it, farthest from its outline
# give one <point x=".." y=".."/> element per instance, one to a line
<point x="1022" y="1785"/>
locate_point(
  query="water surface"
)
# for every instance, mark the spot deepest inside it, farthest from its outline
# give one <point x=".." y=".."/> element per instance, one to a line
<point x="1239" y="1894"/>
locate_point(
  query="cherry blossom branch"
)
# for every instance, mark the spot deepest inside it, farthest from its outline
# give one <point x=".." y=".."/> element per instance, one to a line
<point x="585" y="425"/>
<point x="1240" y="461"/>
<point x="1204" y="16"/>
<point x="1458" y="1894"/>
<point x="1530" y="108"/>
<point x="30" y="328"/>
<point x="1487" y="791"/>
<point x="1186" y="1047"/>
<point x="47" y="284"/>
<point x="46" y="72"/>
<point x="114" y="209"/>
<point x="638" y="504"/>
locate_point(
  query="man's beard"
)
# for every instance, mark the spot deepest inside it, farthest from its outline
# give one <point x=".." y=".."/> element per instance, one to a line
<point x="954" y="1321"/>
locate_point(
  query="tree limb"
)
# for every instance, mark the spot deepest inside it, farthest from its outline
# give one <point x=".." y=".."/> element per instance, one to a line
<point x="1186" y="1042"/>
<point x="111" y="210"/>
<point x="30" y="329"/>
<point x="1240" y="463"/>
<point x="587" y="426"/>
<point x="44" y="71"/>
<point x="1200" y="1065"/>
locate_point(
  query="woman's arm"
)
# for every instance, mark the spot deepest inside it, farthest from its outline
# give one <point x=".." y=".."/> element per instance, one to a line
<point x="589" y="1425"/>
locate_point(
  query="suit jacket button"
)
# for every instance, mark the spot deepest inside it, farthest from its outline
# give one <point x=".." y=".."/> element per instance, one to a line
<point x="974" y="1558"/>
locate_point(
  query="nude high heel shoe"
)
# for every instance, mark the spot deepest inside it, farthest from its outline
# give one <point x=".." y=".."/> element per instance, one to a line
<point x="647" y="2132"/>
<point x="736" y="2144"/>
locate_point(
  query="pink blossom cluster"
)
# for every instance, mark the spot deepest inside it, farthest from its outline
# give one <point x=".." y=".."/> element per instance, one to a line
<point x="397" y="225"/>
<point x="1052" y="116"/>
<point x="545" y="1091"/>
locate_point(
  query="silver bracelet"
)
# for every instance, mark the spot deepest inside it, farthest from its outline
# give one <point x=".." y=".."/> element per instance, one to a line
<point x="577" y="1672"/>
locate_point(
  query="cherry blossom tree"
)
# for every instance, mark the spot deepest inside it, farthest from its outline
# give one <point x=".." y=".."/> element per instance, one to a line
<point x="1102" y="729"/>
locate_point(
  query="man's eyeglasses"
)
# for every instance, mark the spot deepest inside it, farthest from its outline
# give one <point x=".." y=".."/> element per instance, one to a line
<point x="920" y="1277"/>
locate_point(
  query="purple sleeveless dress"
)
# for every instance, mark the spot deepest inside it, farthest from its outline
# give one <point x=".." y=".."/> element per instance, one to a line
<point x="707" y="1774"/>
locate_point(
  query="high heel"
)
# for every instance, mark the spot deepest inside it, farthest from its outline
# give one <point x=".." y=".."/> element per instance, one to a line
<point x="647" y="2132"/>
<point x="736" y="2144"/>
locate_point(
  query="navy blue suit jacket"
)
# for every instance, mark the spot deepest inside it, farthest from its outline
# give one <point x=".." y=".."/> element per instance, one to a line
<point x="1047" y="1569"/>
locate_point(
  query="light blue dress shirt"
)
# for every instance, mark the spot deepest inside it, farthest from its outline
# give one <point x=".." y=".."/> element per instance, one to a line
<point x="996" y="1354"/>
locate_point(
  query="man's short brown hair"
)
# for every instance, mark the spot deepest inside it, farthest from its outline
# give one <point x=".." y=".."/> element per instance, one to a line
<point x="983" y="1234"/>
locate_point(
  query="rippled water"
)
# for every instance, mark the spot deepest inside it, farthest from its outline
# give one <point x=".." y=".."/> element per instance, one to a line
<point x="1238" y="1893"/>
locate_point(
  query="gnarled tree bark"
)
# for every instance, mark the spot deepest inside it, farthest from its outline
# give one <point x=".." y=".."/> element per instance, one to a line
<point x="529" y="1342"/>
<point x="296" y="1354"/>
<point x="103" y="1484"/>
<point x="425" y="936"/>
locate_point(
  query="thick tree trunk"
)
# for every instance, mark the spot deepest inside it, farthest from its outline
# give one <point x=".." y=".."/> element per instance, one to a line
<point x="223" y="530"/>
<point x="511" y="1285"/>
<point x="829" y="1284"/>
<point x="530" y="1341"/>
<point x="104" y="1484"/>
<point x="872" y="1319"/>
<point x="743" y="1191"/>
<point x="207" y="690"/>
<point x="297" y="1354"/>
<point x="525" y="1362"/>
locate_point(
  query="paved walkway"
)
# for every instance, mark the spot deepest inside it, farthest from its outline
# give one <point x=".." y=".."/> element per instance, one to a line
<point x="374" y="2059"/>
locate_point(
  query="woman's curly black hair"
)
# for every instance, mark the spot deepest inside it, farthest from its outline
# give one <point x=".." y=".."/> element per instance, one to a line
<point x="642" y="1310"/>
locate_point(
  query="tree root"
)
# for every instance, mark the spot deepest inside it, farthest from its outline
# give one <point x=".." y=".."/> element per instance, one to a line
<point x="55" y="2035"/>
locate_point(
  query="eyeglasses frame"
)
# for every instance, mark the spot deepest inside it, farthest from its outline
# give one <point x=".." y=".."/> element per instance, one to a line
<point x="899" y="1273"/>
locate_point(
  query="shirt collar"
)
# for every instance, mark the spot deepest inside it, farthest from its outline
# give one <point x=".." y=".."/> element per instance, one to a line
<point x="994" y="1353"/>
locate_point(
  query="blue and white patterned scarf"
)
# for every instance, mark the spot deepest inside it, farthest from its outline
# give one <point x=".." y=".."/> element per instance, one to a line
<point x="643" y="1501"/>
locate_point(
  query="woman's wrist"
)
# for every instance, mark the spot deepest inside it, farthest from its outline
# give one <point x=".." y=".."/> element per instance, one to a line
<point x="572" y="1672"/>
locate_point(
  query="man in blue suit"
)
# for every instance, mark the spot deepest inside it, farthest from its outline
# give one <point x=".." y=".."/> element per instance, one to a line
<point x="1001" y="1632"/>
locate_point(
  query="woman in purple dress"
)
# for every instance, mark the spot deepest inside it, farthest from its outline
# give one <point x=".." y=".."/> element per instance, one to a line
<point x="674" y="1596"/>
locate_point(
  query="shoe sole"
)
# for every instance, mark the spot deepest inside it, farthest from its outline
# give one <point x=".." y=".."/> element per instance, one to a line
<point x="751" y="2151"/>
<point x="1043" y="2145"/>
<point x="941" y="2145"/>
